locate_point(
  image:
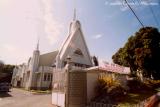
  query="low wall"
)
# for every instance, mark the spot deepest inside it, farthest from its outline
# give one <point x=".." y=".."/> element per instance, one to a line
<point x="92" y="78"/>
<point x="77" y="86"/>
<point x="77" y="89"/>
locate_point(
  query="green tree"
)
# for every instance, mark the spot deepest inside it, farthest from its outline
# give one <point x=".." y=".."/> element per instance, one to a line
<point x="1" y="65"/>
<point x="6" y="72"/>
<point x="141" y="51"/>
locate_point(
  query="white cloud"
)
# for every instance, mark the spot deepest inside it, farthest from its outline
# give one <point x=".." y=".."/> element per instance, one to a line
<point x="134" y="4"/>
<point x="10" y="53"/>
<point x="137" y="5"/>
<point x="97" y="36"/>
<point x="4" y="4"/>
<point x="23" y="21"/>
<point x="9" y="48"/>
<point x="120" y="3"/>
<point x="53" y="27"/>
<point x="124" y="8"/>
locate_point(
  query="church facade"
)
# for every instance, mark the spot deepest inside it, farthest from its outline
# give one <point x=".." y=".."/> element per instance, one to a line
<point x="37" y="73"/>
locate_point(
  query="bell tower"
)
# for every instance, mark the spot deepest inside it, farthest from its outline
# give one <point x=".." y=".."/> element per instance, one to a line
<point x="35" y="58"/>
<point x="34" y="66"/>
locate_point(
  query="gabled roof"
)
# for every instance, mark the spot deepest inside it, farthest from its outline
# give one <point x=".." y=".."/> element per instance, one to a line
<point x="109" y="69"/>
<point x="75" y="41"/>
<point x="47" y="59"/>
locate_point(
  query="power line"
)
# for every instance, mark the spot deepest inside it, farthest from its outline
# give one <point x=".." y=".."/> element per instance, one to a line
<point x="134" y="13"/>
<point x="154" y="16"/>
<point x="151" y="9"/>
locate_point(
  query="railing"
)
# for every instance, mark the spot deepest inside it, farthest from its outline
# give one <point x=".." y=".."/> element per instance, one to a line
<point x="45" y="68"/>
<point x="59" y="80"/>
<point x="95" y="104"/>
<point x="77" y="68"/>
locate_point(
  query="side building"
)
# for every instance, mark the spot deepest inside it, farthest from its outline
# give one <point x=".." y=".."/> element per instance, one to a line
<point x="37" y="73"/>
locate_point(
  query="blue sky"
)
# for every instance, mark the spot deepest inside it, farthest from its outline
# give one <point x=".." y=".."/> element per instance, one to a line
<point x="106" y="27"/>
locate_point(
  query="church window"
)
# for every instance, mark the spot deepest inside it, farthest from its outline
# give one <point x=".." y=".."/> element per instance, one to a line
<point x="45" y="77"/>
<point x="51" y="77"/>
<point x="81" y="65"/>
<point x="78" y="52"/>
<point x="78" y="65"/>
<point x="65" y="62"/>
<point x="48" y="77"/>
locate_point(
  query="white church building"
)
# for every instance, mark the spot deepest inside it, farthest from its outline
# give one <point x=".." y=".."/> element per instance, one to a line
<point x="37" y="72"/>
<point x="70" y="71"/>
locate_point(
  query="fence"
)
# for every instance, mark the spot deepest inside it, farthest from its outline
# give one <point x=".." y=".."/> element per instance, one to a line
<point x="95" y="104"/>
<point x="69" y="88"/>
<point x="59" y="80"/>
<point x="58" y="87"/>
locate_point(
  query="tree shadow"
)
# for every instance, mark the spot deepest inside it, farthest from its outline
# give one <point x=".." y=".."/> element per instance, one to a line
<point x="4" y="94"/>
<point x="134" y="98"/>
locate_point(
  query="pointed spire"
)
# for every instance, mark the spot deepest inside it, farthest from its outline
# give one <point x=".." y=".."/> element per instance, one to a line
<point x="74" y="16"/>
<point x="37" y="48"/>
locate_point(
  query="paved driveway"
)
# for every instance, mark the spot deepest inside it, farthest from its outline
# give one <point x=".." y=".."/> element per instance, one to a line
<point x="21" y="98"/>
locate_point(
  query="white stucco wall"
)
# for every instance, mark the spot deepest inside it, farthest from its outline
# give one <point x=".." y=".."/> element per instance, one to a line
<point x="92" y="78"/>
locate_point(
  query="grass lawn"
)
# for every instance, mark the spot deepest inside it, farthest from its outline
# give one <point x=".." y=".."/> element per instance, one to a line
<point x="158" y="89"/>
<point x="37" y="91"/>
<point x="131" y="99"/>
<point x="41" y="92"/>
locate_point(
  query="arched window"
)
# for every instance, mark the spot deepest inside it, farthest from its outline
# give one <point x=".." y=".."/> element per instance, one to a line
<point x="78" y="52"/>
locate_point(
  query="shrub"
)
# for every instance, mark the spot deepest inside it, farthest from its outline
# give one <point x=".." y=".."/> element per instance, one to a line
<point x="152" y="83"/>
<point x="136" y="85"/>
<point x="133" y="85"/>
<point x="108" y="86"/>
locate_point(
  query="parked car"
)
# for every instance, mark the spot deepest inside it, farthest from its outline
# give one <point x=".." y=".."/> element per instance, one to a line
<point x="5" y="87"/>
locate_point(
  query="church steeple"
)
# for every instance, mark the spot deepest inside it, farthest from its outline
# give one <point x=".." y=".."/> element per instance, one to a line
<point x="74" y="15"/>
<point x="35" y="58"/>
<point x="34" y="65"/>
<point x="37" y="47"/>
<point x="74" y="46"/>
